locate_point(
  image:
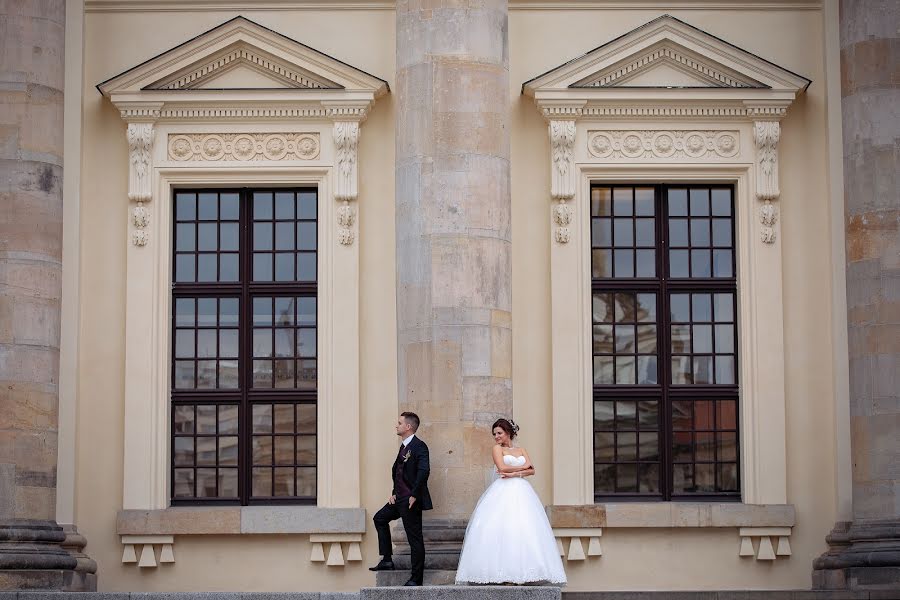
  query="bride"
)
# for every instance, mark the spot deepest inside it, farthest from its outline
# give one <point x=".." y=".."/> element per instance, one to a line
<point x="509" y="539"/>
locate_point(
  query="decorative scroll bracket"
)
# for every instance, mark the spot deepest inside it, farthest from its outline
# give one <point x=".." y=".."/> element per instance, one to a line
<point x="562" y="165"/>
<point x="347" y="120"/>
<point x="140" y="148"/>
<point x="766" y="135"/>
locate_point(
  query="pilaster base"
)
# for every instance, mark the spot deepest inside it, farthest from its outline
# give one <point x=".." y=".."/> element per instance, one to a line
<point x="32" y="558"/>
<point x="862" y="555"/>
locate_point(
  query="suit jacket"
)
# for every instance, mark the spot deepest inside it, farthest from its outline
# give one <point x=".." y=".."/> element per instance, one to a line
<point x="415" y="472"/>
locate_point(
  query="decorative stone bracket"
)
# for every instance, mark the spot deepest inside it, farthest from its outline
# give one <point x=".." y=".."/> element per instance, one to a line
<point x="562" y="166"/>
<point x="335" y="543"/>
<point x="576" y="537"/>
<point x="766" y="135"/>
<point x="140" y="145"/>
<point x="148" y="544"/>
<point x="765" y="550"/>
<point x="347" y="120"/>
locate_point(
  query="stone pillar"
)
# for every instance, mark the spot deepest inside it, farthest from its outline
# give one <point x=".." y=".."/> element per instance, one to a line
<point x="32" y="34"/>
<point x="865" y="554"/>
<point x="453" y="236"/>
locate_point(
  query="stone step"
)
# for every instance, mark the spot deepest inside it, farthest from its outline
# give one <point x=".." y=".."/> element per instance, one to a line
<point x="401" y="576"/>
<point x="462" y="592"/>
<point x="434" y="559"/>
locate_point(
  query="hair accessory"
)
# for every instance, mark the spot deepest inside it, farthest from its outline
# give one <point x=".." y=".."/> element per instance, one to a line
<point x="515" y="427"/>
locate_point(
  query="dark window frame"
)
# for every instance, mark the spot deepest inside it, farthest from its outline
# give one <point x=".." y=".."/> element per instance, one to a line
<point x="244" y="396"/>
<point x="664" y="392"/>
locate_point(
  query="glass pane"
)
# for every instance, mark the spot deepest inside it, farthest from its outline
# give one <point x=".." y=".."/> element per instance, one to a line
<point x="626" y="445"/>
<point x="721" y="229"/>
<point x="228" y="236"/>
<point x="645" y="234"/>
<point x="184" y="419"/>
<point x="184" y="483"/>
<point x="262" y="450"/>
<point x="683" y="478"/>
<point x="206" y="451"/>
<point x="703" y="339"/>
<point x="284" y="450"/>
<point x="207" y="268"/>
<point x="184" y="311"/>
<point x="647" y="370"/>
<point x="648" y="447"/>
<point x="262" y="206"/>
<point x="306" y="418"/>
<point x="306" y="235"/>
<point x="727" y="414"/>
<point x="648" y="414"/>
<point x="681" y="308"/>
<point x="262" y="373"/>
<point x="228" y="451"/>
<point x="704" y="448"/>
<point x="724" y="308"/>
<point x="228" y="343"/>
<point x="284" y="311"/>
<point x="208" y="206"/>
<point x="724" y="339"/>
<point x="262" y="236"/>
<point x="306" y="373"/>
<point x="184" y="374"/>
<point x="646" y="308"/>
<point x="184" y="236"/>
<point x="228" y="483"/>
<point x="228" y="419"/>
<point x="229" y="206"/>
<point x="262" y="482"/>
<point x="306" y="311"/>
<point x="262" y="343"/>
<point x="604" y="415"/>
<point x="284" y="266"/>
<point x="703" y="414"/>
<point x="604" y="448"/>
<point x="262" y="267"/>
<point x="306" y="342"/>
<point x="725" y="369"/>
<point x="701" y="309"/>
<point x="603" y="339"/>
<point x="721" y="202"/>
<point x="681" y="339"/>
<point x="722" y="263"/>
<point x="700" y="263"/>
<point x="646" y="263"/>
<point x="623" y="203"/>
<point x="624" y="263"/>
<point x="646" y="339"/>
<point x="624" y="308"/>
<point x="601" y="202"/>
<point x="626" y="478"/>
<point x="262" y="311"/>
<point x="699" y="202"/>
<point x="728" y="479"/>
<point x="184" y="343"/>
<point x="625" y="338"/>
<point x="703" y="369"/>
<point x="284" y="205"/>
<point x="206" y="374"/>
<point x="206" y="343"/>
<point x="306" y="266"/>
<point x="207" y="238"/>
<point x="184" y="451"/>
<point x="604" y="479"/>
<point x="623" y="234"/>
<point x="262" y="418"/>
<point x="284" y="236"/>
<point x="699" y="232"/>
<point x="284" y="373"/>
<point x="601" y="263"/>
<point x="228" y="311"/>
<point x="601" y="232"/>
<point x="704" y="478"/>
<point x="678" y="263"/>
<point x="228" y="374"/>
<point x="228" y="267"/>
<point x="625" y="370"/>
<point x="306" y="205"/>
<point x="681" y="370"/>
<point x="727" y="446"/>
<point x="184" y="267"/>
<point x="306" y="450"/>
<point x="602" y="308"/>
<point x="284" y="482"/>
<point x="682" y="415"/>
<point x="185" y="207"/>
<point x="648" y="478"/>
<point x="678" y="232"/>
<point x="306" y="482"/>
<point x="603" y="370"/>
<point x="677" y="202"/>
<point x="643" y="201"/>
<point x="682" y="447"/>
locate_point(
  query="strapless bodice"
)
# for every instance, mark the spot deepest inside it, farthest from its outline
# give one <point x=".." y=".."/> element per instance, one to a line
<point x="513" y="461"/>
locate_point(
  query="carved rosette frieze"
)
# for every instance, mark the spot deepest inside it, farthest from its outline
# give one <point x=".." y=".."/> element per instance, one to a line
<point x="140" y="145"/>
<point x="766" y="135"/>
<point x="664" y="144"/>
<point x="346" y="141"/>
<point x="562" y="174"/>
<point x="243" y="146"/>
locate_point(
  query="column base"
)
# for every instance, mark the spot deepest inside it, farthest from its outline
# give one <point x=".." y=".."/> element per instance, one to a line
<point x="32" y="558"/>
<point x="863" y="555"/>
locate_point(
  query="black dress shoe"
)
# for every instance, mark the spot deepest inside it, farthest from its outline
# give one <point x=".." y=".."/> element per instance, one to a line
<point x="411" y="582"/>
<point x="383" y="565"/>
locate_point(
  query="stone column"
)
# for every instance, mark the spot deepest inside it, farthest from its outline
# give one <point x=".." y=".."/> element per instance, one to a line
<point x="865" y="553"/>
<point x="32" y="34"/>
<point x="453" y="236"/>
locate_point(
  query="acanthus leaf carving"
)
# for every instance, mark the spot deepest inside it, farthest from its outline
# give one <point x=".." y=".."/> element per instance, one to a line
<point x="346" y="140"/>
<point x="346" y="216"/>
<point x="766" y="135"/>
<point x="562" y="148"/>
<point x="140" y="146"/>
<point x="768" y="216"/>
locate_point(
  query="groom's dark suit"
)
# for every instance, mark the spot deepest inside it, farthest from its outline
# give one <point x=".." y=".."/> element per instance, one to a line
<point x="409" y="476"/>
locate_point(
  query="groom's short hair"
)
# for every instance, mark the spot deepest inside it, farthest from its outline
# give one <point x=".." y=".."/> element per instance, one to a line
<point x="411" y="418"/>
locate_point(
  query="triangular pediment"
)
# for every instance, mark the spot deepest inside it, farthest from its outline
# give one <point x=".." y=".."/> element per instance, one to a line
<point x="667" y="53"/>
<point x="241" y="55"/>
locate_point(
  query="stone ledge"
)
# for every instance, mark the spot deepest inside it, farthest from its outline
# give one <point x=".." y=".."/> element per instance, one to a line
<point x="241" y="520"/>
<point x="462" y="592"/>
<point x="672" y="515"/>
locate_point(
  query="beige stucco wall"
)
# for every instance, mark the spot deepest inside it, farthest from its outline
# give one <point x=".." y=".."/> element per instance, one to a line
<point x="539" y="40"/>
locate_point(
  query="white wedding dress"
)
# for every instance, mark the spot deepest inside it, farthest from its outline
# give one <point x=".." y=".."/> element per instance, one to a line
<point x="509" y="539"/>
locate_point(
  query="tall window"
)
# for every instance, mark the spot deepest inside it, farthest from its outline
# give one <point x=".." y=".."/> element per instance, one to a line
<point x="664" y="342"/>
<point x="244" y="346"/>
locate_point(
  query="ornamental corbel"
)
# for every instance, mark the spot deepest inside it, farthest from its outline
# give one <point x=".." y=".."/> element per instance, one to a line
<point x="140" y="134"/>
<point x="766" y="135"/>
<point x="347" y="118"/>
<point x="561" y="127"/>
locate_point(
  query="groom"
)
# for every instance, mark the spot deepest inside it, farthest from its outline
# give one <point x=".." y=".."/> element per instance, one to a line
<point x="409" y="497"/>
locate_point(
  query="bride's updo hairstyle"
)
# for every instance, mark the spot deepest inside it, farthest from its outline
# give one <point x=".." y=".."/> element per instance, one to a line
<point x="507" y="425"/>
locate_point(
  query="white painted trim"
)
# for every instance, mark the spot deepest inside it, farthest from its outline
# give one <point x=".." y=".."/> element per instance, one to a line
<point x="70" y="313"/>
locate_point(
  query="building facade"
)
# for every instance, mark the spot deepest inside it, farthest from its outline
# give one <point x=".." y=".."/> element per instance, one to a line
<point x="252" y="233"/>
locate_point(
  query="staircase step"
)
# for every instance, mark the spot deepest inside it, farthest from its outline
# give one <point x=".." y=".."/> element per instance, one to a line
<point x="461" y="592"/>
<point x="399" y="577"/>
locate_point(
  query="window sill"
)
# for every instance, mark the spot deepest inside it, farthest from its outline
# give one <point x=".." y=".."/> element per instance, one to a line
<point x="241" y="520"/>
<point x="671" y="515"/>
